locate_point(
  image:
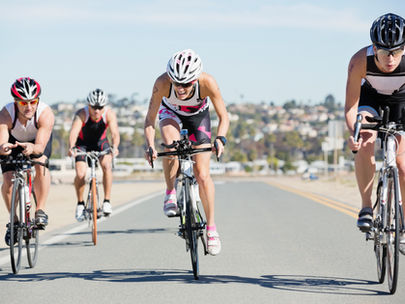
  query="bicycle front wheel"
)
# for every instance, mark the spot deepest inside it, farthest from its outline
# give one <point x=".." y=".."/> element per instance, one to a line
<point x="16" y="230"/>
<point x="32" y="239"/>
<point x="392" y="232"/>
<point x="94" y="210"/>
<point x="191" y="229"/>
<point x="380" y="249"/>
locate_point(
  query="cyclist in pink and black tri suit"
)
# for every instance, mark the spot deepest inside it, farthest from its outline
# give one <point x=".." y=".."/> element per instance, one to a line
<point x="89" y="133"/>
<point x="180" y="97"/>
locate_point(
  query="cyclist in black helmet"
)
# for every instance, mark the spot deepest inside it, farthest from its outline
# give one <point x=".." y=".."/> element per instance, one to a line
<point x="376" y="78"/>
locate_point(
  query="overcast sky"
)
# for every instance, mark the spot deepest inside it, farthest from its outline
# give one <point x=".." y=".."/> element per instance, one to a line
<point x="256" y="50"/>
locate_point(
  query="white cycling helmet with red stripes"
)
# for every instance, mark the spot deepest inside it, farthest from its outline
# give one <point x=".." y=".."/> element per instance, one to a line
<point x="184" y="66"/>
<point x="25" y="88"/>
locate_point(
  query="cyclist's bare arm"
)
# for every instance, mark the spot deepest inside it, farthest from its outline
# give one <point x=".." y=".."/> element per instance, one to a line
<point x="160" y="89"/>
<point x="356" y="72"/>
<point x="5" y="126"/>
<point x="115" y="134"/>
<point x="210" y="88"/>
<point x="45" y="127"/>
<point x="75" y="130"/>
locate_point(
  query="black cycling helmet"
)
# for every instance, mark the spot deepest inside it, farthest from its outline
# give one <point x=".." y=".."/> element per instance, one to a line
<point x="388" y="31"/>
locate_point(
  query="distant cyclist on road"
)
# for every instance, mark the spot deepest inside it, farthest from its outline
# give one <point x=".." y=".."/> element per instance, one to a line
<point x="89" y="133"/>
<point x="180" y="97"/>
<point x="26" y="127"/>
<point x="376" y="78"/>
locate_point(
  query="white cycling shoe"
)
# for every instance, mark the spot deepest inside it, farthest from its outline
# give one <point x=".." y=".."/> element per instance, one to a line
<point x="79" y="212"/>
<point x="107" y="209"/>
<point x="213" y="242"/>
<point x="170" y="205"/>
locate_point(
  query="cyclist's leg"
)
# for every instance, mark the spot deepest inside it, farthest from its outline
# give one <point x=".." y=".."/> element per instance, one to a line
<point x="106" y="166"/>
<point x="365" y="169"/>
<point x="6" y="188"/>
<point x="80" y="178"/>
<point x="205" y="184"/>
<point x="42" y="182"/>
<point x="170" y="125"/>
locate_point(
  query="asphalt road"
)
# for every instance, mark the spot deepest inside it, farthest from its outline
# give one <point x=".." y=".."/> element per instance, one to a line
<point x="278" y="247"/>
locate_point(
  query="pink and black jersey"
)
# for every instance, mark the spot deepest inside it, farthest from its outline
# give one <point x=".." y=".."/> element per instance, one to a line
<point x="188" y="107"/>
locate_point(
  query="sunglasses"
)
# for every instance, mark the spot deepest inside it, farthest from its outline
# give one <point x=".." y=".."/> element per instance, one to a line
<point x="394" y="53"/>
<point x="26" y="102"/>
<point x="183" y="85"/>
<point x="97" y="107"/>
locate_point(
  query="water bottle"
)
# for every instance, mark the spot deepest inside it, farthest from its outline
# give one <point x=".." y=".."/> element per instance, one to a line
<point x="27" y="197"/>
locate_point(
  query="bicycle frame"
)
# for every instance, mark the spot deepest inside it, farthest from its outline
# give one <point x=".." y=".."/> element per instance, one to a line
<point x="388" y="223"/>
<point x="389" y="167"/>
<point x="92" y="210"/>
<point x="20" y="208"/>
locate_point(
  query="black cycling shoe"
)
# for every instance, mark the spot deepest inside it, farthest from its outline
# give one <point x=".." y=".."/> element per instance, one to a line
<point x="41" y="219"/>
<point x="365" y="220"/>
<point x="7" y="237"/>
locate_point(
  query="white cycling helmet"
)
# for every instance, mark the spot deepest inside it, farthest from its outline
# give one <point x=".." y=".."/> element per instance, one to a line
<point x="97" y="98"/>
<point x="184" y="66"/>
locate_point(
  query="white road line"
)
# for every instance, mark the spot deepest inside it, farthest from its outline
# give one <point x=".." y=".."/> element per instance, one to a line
<point x="60" y="237"/>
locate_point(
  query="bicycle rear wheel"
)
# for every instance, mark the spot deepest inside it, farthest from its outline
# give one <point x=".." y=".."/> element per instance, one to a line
<point x="32" y="238"/>
<point x="16" y="227"/>
<point x="380" y="249"/>
<point x="93" y="190"/>
<point x="191" y="229"/>
<point x="392" y="232"/>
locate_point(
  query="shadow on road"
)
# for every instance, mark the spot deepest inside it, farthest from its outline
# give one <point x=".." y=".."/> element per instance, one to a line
<point x="108" y="232"/>
<point x="296" y="283"/>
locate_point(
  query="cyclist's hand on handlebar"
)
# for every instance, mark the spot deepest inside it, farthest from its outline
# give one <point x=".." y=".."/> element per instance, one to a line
<point x="115" y="151"/>
<point x="353" y="145"/>
<point x="218" y="148"/>
<point x="72" y="152"/>
<point x="28" y="148"/>
<point x="150" y="152"/>
<point x="5" y="149"/>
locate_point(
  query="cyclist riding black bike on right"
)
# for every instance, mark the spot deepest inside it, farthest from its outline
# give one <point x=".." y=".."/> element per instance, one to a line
<point x="376" y="79"/>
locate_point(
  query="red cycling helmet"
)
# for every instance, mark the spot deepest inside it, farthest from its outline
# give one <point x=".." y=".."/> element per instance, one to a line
<point x="25" y="88"/>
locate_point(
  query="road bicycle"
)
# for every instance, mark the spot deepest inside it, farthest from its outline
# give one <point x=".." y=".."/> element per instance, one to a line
<point x="388" y="218"/>
<point x="22" y="224"/>
<point x="93" y="206"/>
<point x="192" y="222"/>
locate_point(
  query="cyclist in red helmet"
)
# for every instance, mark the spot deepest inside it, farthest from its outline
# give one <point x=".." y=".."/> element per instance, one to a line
<point x="26" y="126"/>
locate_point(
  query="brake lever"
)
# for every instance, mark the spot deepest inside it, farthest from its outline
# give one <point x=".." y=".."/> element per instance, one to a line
<point x="216" y="149"/>
<point x="150" y="152"/>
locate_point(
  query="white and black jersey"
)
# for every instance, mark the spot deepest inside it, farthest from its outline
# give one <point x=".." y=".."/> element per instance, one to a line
<point x="380" y="89"/>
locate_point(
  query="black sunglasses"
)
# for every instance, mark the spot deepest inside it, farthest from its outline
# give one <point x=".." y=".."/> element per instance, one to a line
<point x="183" y="85"/>
<point x="97" y="107"/>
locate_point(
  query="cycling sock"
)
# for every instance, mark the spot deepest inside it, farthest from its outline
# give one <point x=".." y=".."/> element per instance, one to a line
<point x="80" y="203"/>
<point x="106" y="200"/>
<point x="212" y="228"/>
<point x="170" y="191"/>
